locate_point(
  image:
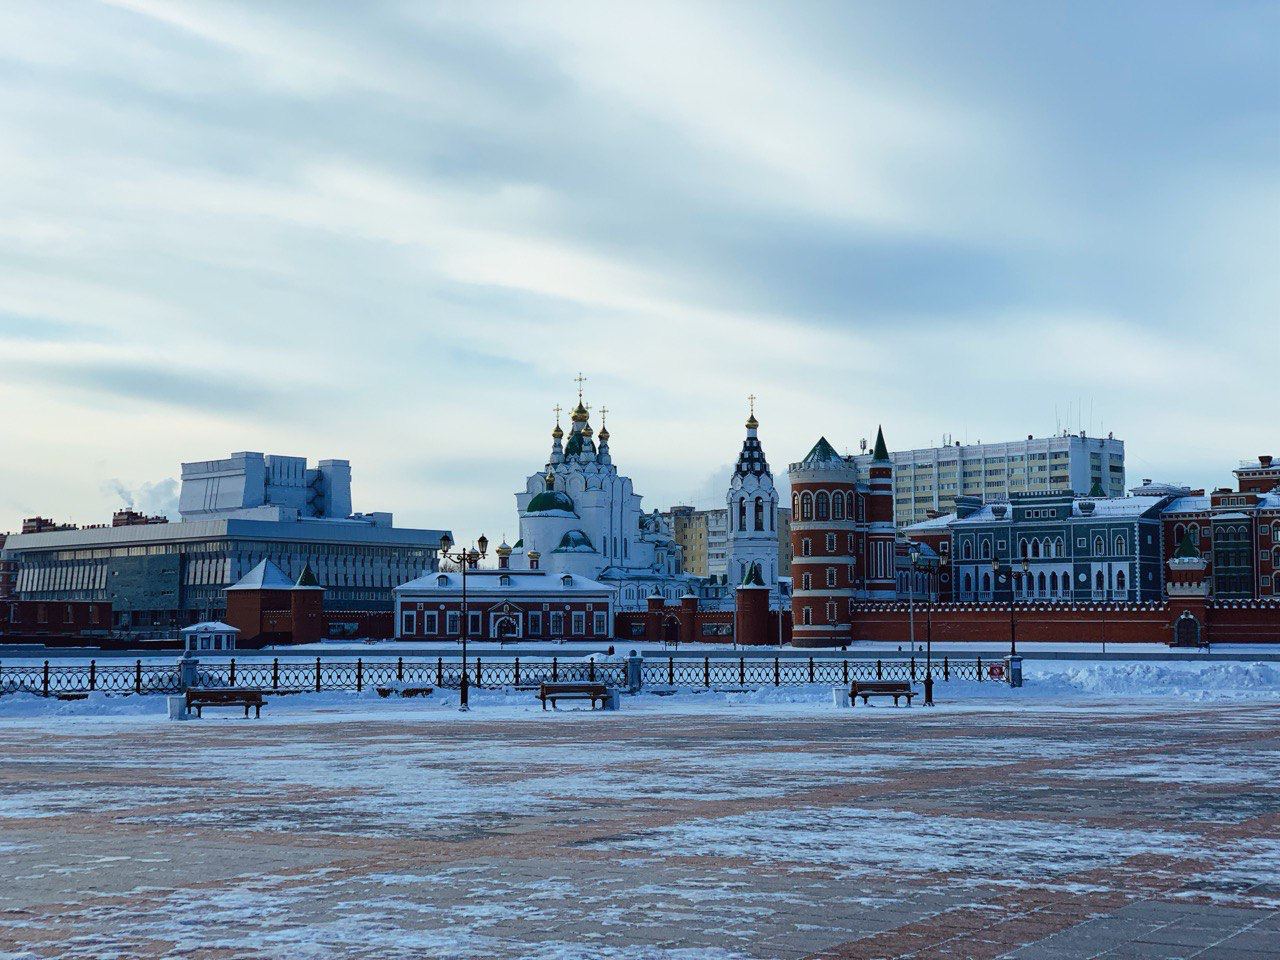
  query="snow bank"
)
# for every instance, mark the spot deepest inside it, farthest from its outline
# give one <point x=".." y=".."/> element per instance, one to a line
<point x="1184" y="681"/>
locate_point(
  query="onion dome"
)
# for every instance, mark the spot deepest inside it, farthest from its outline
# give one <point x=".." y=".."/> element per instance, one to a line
<point x="575" y="541"/>
<point x="752" y="422"/>
<point x="604" y="434"/>
<point x="586" y="430"/>
<point x="550" y="500"/>
<point x="557" y="433"/>
<point x="579" y="413"/>
<point x="503" y="549"/>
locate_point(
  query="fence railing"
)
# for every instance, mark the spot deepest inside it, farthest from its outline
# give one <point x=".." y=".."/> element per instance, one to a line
<point x="295" y="676"/>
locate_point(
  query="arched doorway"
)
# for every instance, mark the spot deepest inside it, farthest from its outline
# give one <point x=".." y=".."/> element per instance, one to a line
<point x="671" y="630"/>
<point x="1186" y="631"/>
<point x="506" y="626"/>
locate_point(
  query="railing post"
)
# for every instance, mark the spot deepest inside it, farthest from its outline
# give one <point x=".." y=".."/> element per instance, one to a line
<point x="46" y="678"/>
<point x="137" y="677"/>
<point x="517" y="680"/>
<point x="275" y="674"/>
<point x="671" y="671"/>
<point x="946" y="669"/>
<point x="777" y="672"/>
<point x="591" y="671"/>
<point x="231" y="677"/>
<point x="399" y="668"/>
<point x="317" y="674"/>
<point x="879" y="671"/>
<point x="555" y="669"/>
<point x="439" y="671"/>
<point x="979" y="669"/>
<point x="93" y="674"/>
<point x="811" y="669"/>
<point x="359" y="674"/>
<point x="706" y="671"/>
<point x="845" y="673"/>
<point x="913" y="669"/>
<point x="635" y="672"/>
<point x="742" y="671"/>
<point x="478" y="683"/>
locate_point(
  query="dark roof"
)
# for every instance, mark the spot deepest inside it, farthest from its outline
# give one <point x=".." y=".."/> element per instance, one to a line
<point x="751" y="460"/>
<point x="575" y="541"/>
<point x="550" y="500"/>
<point x="307" y="577"/>
<point x="822" y="452"/>
<point x="752" y="577"/>
<point x="578" y="443"/>
<point x="881" y="451"/>
<point x="1096" y="490"/>
<point x="1187" y="549"/>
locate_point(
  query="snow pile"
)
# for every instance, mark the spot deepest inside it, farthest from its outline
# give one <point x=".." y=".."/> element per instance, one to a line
<point x="18" y="705"/>
<point x="1184" y="681"/>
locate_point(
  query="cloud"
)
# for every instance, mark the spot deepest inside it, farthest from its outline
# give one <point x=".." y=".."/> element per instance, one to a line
<point x="152" y="498"/>
<point x="395" y="232"/>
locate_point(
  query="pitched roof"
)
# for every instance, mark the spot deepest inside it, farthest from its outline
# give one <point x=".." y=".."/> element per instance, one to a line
<point x="307" y="577"/>
<point x="752" y="577"/>
<point x="881" y="451"/>
<point x="822" y="452"/>
<point x="265" y="576"/>
<point x="1187" y="549"/>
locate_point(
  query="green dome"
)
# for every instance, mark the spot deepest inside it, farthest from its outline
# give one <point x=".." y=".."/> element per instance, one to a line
<point x="550" y="500"/>
<point x="575" y="541"/>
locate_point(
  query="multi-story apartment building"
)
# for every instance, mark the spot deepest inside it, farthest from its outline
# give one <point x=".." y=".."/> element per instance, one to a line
<point x="928" y="481"/>
<point x="704" y="535"/>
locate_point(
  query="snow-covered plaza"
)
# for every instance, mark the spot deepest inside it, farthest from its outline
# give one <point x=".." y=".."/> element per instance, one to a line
<point x="1117" y="810"/>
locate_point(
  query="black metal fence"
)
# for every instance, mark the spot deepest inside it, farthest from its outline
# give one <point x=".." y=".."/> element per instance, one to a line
<point x="296" y="676"/>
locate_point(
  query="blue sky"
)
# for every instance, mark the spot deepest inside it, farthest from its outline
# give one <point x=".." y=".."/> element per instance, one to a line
<point x="395" y="232"/>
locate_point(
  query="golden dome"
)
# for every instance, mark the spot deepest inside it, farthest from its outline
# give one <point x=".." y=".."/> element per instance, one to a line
<point x="503" y="549"/>
<point x="579" y="413"/>
<point x="604" y="434"/>
<point x="586" y="430"/>
<point x="752" y="422"/>
<point x="557" y="433"/>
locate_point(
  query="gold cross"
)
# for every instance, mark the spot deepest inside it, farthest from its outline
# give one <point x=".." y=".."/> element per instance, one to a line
<point x="580" y="379"/>
<point x="752" y="400"/>
<point x="603" y="411"/>
<point x="557" y="408"/>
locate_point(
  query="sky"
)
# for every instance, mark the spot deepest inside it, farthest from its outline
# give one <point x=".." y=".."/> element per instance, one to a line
<point x="395" y="233"/>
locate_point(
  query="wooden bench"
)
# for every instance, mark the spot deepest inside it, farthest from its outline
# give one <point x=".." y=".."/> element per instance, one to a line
<point x="880" y="688"/>
<point x="225" y="697"/>
<point x="572" y="691"/>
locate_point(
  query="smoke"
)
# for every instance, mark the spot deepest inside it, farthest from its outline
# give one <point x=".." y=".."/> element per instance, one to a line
<point x="158" y="498"/>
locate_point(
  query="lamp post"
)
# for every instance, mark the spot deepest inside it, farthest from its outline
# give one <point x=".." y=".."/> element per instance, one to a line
<point x="1013" y="661"/>
<point x="914" y="554"/>
<point x="465" y="559"/>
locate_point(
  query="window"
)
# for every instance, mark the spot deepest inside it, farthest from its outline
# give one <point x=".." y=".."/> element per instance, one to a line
<point x="742" y="513"/>
<point x="451" y="621"/>
<point x="831" y="611"/>
<point x="759" y="513"/>
<point x="1099" y="548"/>
<point x="806" y="581"/>
<point x="986" y="549"/>
<point x="806" y="506"/>
<point x="1120" y="581"/>
<point x="837" y="507"/>
<point x="968" y="583"/>
<point x="823" y="505"/>
<point x="557" y="624"/>
<point x="831" y="576"/>
<point x="442" y="581"/>
<point x="1035" y="548"/>
<point x="986" y="582"/>
<point x="831" y="543"/>
<point x="806" y="547"/>
<point x="535" y="622"/>
<point x="1120" y="545"/>
<point x="806" y="616"/>
<point x="408" y="623"/>
<point x="474" y="626"/>
<point x="1099" y="583"/>
<point x="966" y="550"/>
<point x="430" y="624"/>
<point x="850" y="539"/>
<point x="600" y="624"/>
<point x="579" y="623"/>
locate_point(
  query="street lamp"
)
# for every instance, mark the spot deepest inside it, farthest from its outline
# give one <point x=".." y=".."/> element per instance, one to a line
<point x="1013" y="628"/>
<point x="465" y="559"/>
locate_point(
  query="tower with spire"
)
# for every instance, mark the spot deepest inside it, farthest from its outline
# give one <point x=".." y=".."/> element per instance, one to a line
<point x="752" y="501"/>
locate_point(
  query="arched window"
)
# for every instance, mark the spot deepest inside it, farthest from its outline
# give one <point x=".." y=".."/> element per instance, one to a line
<point x="1099" y="583"/>
<point x="968" y="583"/>
<point x="1035" y="548"/>
<point x="966" y="550"/>
<point x="1023" y="548"/>
<point x="823" y="505"/>
<point x="795" y="504"/>
<point x="986" y="549"/>
<point x="1060" y="548"/>
<point x="1099" y="547"/>
<point x="837" y="507"/>
<point x="806" y="581"/>
<point x="742" y="513"/>
<point x="855" y="508"/>
<point x="759" y="513"/>
<point x="1053" y="584"/>
<point x="986" y="583"/>
<point x="806" y="506"/>
<point x="1120" y="581"/>
<point x="1042" y="585"/>
<point x="1120" y="545"/>
<point x="806" y="616"/>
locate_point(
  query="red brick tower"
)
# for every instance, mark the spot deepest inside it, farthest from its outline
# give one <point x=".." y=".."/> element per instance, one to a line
<point x="824" y="541"/>
<point x="880" y="572"/>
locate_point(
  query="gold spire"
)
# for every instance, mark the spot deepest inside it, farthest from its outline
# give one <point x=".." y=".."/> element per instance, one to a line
<point x="604" y="431"/>
<point x="580" y="411"/>
<point x="557" y="433"/>
<point x="752" y="422"/>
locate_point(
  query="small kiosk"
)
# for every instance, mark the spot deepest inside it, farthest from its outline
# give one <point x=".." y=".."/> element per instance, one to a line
<point x="210" y="637"/>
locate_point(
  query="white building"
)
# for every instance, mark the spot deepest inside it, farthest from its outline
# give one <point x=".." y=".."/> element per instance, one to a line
<point x="579" y="516"/>
<point x="255" y="486"/>
<point x="930" y="479"/>
<point x="752" y="510"/>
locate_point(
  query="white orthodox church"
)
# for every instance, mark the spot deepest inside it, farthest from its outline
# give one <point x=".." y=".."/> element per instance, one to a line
<point x="578" y="515"/>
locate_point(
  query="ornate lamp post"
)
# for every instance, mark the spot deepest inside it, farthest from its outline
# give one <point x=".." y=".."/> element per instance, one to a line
<point x="914" y="554"/>
<point x="465" y="559"/>
<point x="1013" y="661"/>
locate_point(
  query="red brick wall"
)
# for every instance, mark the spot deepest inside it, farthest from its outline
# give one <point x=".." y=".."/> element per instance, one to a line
<point x="35" y="618"/>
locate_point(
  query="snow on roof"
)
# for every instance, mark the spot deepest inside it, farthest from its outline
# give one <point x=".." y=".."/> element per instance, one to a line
<point x="1119" y="506"/>
<point x="265" y="576"/>
<point x="933" y="523"/>
<point x="1193" y="504"/>
<point x="503" y="581"/>
<point x="210" y="626"/>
